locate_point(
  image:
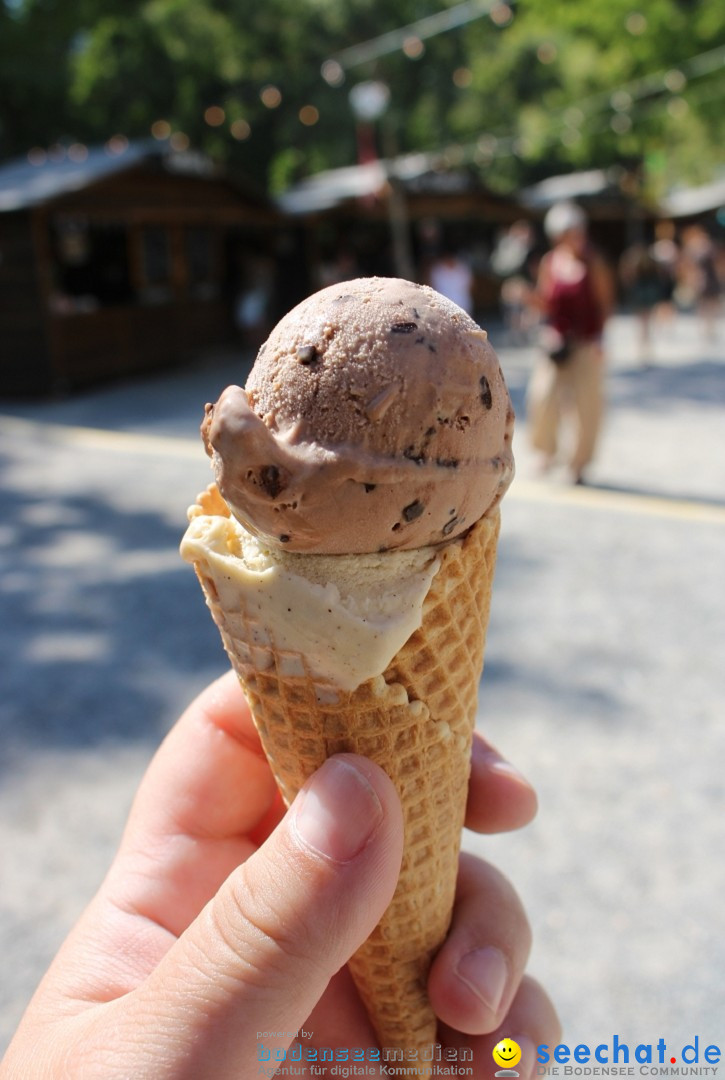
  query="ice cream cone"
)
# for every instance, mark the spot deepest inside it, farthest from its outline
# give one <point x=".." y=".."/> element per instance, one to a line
<point x="416" y="720"/>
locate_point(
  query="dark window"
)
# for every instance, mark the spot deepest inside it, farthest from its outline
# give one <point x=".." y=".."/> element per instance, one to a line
<point x="91" y="264"/>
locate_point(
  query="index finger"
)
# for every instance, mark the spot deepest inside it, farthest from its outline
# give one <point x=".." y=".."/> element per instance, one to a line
<point x="194" y="820"/>
<point x="499" y="797"/>
<point x="210" y="778"/>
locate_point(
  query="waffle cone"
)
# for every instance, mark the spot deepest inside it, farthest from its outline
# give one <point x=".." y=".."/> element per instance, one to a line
<point x="415" y="720"/>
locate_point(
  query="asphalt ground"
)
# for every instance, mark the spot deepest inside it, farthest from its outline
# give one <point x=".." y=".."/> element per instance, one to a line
<point x="604" y="678"/>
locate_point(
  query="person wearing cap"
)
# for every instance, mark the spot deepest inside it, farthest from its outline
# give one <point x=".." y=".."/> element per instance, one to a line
<point x="575" y="294"/>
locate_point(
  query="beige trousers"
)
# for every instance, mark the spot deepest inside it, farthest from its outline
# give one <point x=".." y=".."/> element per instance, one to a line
<point x="567" y="399"/>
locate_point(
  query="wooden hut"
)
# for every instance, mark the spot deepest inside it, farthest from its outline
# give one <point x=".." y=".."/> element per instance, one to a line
<point x="116" y="262"/>
<point x="391" y="216"/>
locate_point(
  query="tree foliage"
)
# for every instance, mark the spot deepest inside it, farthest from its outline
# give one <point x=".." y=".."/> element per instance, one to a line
<point x="540" y="86"/>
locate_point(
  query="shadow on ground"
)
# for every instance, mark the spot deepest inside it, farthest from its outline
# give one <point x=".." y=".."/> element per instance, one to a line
<point x="700" y="382"/>
<point x="104" y="624"/>
<point x="170" y="403"/>
<point x="525" y="664"/>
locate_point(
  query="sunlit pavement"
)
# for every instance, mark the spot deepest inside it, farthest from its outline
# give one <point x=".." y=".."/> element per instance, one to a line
<point x="604" y="676"/>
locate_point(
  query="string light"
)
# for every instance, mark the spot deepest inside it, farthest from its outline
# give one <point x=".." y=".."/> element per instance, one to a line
<point x="161" y="129"/>
<point x="675" y="81"/>
<point x="413" y="47"/>
<point x="620" y="123"/>
<point x="566" y="123"/>
<point x="677" y="107"/>
<point x="571" y="136"/>
<point x="240" y="130"/>
<point x="487" y="144"/>
<point x="621" y="101"/>
<point x="117" y="144"/>
<point x="332" y="73"/>
<point x="214" y="116"/>
<point x="179" y="141"/>
<point x="501" y="15"/>
<point x="547" y="52"/>
<point x="573" y="116"/>
<point x="271" y="96"/>
<point x="427" y="27"/>
<point x="462" y="77"/>
<point x="309" y="115"/>
<point x="564" y="126"/>
<point x="636" y="23"/>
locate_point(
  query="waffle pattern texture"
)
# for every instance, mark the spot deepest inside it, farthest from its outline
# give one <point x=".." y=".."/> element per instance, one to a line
<point x="416" y="721"/>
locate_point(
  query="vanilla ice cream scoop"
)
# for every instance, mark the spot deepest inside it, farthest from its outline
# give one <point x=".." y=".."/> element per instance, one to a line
<point x="375" y="417"/>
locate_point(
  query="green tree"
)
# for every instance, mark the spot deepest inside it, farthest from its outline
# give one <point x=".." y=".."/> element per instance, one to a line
<point x="536" y="87"/>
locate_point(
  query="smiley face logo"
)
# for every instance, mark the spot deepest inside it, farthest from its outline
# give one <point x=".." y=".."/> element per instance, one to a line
<point x="507" y="1053"/>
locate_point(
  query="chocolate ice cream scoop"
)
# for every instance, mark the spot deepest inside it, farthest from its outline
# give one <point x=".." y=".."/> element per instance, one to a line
<point x="376" y="417"/>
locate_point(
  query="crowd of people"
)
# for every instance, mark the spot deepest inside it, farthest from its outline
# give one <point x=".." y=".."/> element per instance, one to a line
<point x="558" y="294"/>
<point x="556" y="288"/>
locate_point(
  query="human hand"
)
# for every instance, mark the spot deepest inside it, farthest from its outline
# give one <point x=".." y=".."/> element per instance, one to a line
<point x="223" y="917"/>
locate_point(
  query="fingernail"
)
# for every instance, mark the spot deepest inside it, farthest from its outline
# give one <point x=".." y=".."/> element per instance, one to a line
<point x="505" y="768"/>
<point x="485" y="972"/>
<point x="337" y="811"/>
<point x="525" y="1068"/>
<point x="492" y="760"/>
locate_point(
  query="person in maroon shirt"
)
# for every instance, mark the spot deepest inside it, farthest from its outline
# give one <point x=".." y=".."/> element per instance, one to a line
<point x="575" y="293"/>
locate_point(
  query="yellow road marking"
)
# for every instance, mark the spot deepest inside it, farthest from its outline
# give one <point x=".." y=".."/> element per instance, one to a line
<point x="628" y="502"/>
<point x="130" y="442"/>
<point x="124" y="442"/>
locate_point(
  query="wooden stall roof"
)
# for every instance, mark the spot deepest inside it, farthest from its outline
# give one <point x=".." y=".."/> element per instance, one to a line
<point x="695" y="201"/>
<point x="606" y="194"/>
<point x="143" y="176"/>
<point x="430" y="190"/>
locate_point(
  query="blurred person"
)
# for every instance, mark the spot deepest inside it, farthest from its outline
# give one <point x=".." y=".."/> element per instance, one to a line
<point x="575" y="294"/>
<point x="666" y="253"/>
<point x="252" y="306"/>
<point x="514" y="263"/>
<point x="699" y="285"/>
<point x="646" y="288"/>
<point x="224" y="923"/>
<point x="340" y="265"/>
<point x="451" y="276"/>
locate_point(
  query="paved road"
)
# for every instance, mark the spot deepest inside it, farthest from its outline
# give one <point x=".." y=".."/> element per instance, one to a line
<point x="604" y="675"/>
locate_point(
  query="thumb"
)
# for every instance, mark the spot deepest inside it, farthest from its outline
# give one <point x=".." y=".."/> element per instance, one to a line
<point x="262" y="952"/>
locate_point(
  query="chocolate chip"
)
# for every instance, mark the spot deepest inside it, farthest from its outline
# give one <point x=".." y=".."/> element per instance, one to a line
<point x="284" y="538"/>
<point x="404" y="327"/>
<point x="270" y="480"/>
<point x="449" y="526"/>
<point x="307" y="354"/>
<point x="486" y="397"/>
<point x="413" y="510"/>
<point x="396" y="526"/>
<point x="411" y="455"/>
<point x="370" y="487"/>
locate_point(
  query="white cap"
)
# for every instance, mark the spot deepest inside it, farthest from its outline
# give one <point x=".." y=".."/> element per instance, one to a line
<point x="562" y="217"/>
